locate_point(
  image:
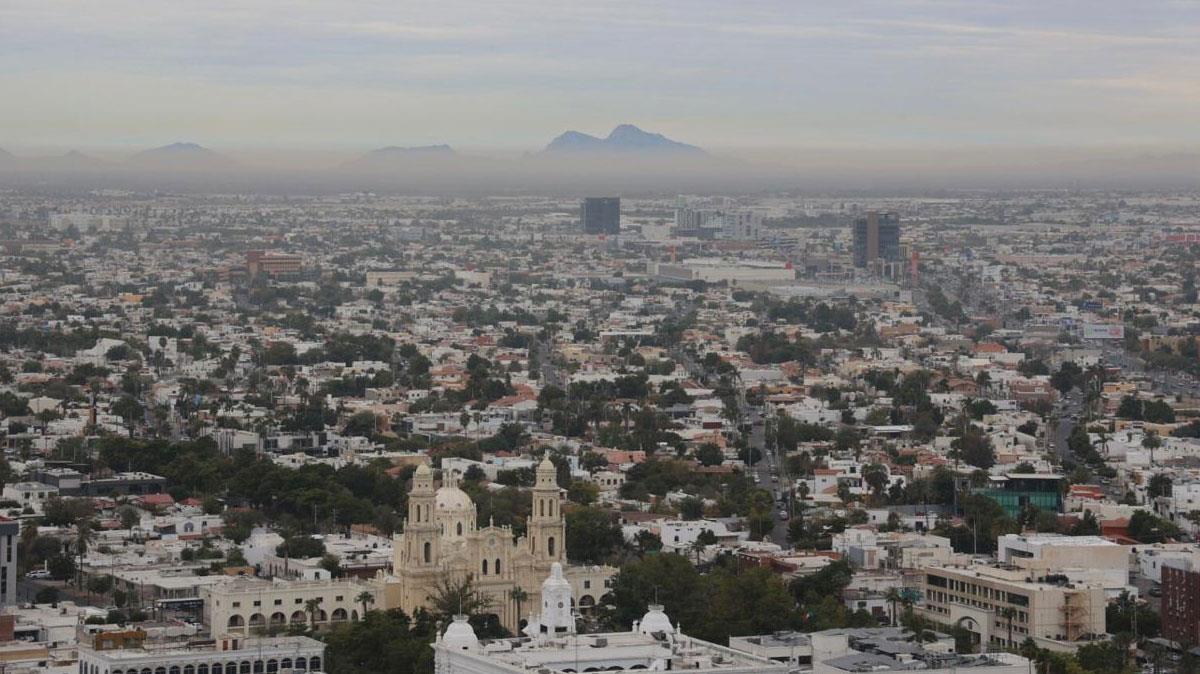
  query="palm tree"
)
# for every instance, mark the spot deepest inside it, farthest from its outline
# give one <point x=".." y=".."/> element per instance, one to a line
<point x="83" y="536"/>
<point x="365" y="598"/>
<point x="893" y="597"/>
<point x="311" y="607"/>
<point x="518" y="596"/>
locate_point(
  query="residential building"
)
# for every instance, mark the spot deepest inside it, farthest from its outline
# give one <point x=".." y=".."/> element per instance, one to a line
<point x="1180" y="607"/>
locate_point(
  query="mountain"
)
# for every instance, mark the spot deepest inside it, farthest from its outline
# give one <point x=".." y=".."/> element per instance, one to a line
<point x="626" y="139"/>
<point x="180" y="156"/>
<point x="71" y="161"/>
<point x="417" y="151"/>
<point x="393" y="157"/>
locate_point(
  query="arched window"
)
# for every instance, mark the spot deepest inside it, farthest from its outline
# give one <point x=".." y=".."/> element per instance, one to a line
<point x="497" y="566"/>
<point x="314" y="663"/>
<point x="485" y="567"/>
<point x="459" y="528"/>
<point x="299" y="618"/>
<point x="339" y="615"/>
<point x="428" y="552"/>
<point x="542" y="507"/>
<point x="189" y="669"/>
<point x="550" y="546"/>
<point x="235" y="620"/>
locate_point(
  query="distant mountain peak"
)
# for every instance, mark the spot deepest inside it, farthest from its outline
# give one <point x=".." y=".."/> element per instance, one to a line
<point x="426" y="150"/>
<point x="181" y="156"/>
<point x="398" y="157"/>
<point x="624" y="138"/>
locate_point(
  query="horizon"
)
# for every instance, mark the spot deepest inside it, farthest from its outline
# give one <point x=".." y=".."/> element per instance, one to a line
<point x="762" y="75"/>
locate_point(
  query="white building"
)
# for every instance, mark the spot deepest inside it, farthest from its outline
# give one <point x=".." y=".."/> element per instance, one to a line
<point x="284" y="655"/>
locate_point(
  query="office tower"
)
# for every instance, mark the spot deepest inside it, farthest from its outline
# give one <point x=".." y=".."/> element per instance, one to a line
<point x="601" y="215"/>
<point x="876" y="237"/>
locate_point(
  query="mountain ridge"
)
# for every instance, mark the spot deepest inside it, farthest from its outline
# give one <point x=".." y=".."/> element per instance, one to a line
<point x="623" y="139"/>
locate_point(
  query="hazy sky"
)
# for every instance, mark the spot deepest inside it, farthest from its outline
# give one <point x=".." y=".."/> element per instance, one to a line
<point x="333" y="74"/>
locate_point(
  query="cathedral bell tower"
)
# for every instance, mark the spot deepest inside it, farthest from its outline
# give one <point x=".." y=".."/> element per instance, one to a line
<point x="420" y="529"/>
<point x="545" y="529"/>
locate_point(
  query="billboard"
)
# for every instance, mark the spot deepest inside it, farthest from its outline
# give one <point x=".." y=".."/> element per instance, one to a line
<point x="1103" y="331"/>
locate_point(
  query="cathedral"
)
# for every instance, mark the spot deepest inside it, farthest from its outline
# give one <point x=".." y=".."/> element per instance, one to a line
<point x="442" y="540"/>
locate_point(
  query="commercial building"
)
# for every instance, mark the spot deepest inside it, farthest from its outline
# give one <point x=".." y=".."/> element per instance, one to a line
<point x="600" y="215"/>
<point x="876" y="237"/>
<point x="1086" y="559"/>
<point x="1001" y="607"/>
<point x="270" y="263"/>
<point x="243" y="605"/>
<point x="717" y="270"/>
<point x="132" y="653"/>
<point x="738" y="224"/>
<point x="1017" y="491"/>
<point x="881" y="649"/>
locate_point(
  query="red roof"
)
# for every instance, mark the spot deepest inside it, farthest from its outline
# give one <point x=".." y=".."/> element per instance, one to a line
<point x="156" y="499"/>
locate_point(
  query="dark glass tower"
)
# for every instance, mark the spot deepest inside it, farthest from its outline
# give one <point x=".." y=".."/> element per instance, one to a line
<point x="876" y="237"/>
<point x="600" y="215"/>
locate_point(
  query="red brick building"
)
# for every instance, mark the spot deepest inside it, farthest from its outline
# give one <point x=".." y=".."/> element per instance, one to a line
<point x="1181" y="605"/>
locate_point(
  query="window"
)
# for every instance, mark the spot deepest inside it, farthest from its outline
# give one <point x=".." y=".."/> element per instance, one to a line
<point x="550" y="546"/>
<point x="428" y="552"/>
<point x="485" y="567"/>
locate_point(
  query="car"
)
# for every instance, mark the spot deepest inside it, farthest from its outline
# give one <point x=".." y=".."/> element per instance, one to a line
<point x="38" y="574"/>
<point x="783" y="514"/>
<point x="1156" y="591"/>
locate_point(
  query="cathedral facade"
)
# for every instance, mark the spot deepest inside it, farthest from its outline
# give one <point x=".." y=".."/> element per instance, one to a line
<point x="443" y="542"/>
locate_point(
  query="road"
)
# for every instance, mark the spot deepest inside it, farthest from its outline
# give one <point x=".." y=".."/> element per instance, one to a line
<point x="770" y="474"/>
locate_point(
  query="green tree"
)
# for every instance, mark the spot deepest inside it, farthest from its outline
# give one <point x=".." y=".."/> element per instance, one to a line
<point x="592" y="535"/>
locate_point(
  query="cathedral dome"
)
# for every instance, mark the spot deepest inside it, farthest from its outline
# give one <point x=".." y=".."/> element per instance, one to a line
<point x="452" y="500"/>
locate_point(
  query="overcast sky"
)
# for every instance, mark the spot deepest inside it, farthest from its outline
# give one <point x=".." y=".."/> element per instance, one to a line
<point x="347" y="74"/>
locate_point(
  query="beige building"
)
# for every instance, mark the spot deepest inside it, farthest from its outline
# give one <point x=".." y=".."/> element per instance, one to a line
<point x="245" y="606"/>
<point x="1090" y="560"/>
<point x="443" y="542"/>
<point x="984" y="599"/>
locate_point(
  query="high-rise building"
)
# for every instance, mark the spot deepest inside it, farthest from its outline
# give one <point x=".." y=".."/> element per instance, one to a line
<point x="600" y="215"/>
<point x="876" y="237"/>
<point x="10" y="533"/>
